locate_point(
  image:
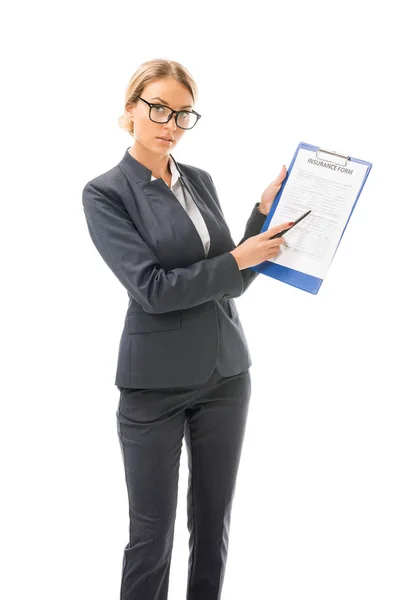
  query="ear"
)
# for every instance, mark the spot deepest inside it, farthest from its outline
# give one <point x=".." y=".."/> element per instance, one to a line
<point x="130" y="110"/>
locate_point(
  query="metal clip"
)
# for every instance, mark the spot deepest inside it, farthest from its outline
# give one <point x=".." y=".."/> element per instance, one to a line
<point x="331" y="153"/>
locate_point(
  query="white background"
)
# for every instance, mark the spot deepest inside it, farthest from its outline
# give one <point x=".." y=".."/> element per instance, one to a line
<point x="316" y="508"/>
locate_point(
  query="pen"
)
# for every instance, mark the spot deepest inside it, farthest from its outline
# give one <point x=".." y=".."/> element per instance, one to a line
<point x="289" y="228"/>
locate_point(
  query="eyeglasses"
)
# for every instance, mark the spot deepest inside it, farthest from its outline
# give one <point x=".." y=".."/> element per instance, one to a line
<point x="158" y="113"/>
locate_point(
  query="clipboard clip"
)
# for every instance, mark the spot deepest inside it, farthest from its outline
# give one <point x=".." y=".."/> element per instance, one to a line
<point x="321" y="152"/>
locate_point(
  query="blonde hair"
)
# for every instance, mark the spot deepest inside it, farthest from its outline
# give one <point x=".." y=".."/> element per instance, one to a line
<point x="147" y="72"/>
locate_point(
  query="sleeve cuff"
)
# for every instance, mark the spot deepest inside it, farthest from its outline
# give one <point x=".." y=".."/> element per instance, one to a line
<point x="231" y="275"/>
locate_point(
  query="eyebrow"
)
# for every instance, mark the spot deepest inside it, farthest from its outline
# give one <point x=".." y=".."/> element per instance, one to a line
<point x="166" y="103"/>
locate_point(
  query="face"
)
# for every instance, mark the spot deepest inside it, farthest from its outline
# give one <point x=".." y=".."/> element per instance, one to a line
<point x="175" y="96"/>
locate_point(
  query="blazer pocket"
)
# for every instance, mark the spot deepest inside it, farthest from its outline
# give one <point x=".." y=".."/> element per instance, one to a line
<point x="145" y="322"/>
<point x="232" y="308"/>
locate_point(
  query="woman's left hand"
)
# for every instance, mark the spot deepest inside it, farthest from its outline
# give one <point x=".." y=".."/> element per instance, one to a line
<point x="269" y="194"/>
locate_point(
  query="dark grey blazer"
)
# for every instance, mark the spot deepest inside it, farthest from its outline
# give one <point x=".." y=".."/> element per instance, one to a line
<point x="181" y="320"/>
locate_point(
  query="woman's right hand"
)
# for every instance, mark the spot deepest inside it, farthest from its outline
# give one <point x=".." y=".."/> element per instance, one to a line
<point x="258" y="248"/>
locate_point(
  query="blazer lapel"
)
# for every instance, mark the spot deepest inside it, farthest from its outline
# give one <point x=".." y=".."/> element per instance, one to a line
<point x="168" y="208"/>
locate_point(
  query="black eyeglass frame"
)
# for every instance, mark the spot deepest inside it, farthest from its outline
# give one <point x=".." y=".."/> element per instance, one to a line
<point x="176" y="112"/>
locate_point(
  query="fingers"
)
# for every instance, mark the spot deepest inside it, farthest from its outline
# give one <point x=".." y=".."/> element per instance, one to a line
<point x="274" y="249"/>
<point x="276" y="243"/>
<point x="281" y="241"/>
<point x="277" y="229"/>
<point x="281" y="176"/>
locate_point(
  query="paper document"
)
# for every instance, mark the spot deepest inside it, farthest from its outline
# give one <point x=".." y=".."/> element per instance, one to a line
<point x="329" y="190"/>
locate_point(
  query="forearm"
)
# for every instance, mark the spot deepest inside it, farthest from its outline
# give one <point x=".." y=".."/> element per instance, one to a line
<point x="253" y="227"/>
<point x="138" y="268"/>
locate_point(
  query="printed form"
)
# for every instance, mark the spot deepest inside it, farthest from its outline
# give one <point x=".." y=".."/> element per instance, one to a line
<point x="329" y="190"/>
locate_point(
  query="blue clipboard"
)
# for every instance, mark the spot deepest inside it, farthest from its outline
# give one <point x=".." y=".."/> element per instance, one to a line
<point x="298" y="279"/>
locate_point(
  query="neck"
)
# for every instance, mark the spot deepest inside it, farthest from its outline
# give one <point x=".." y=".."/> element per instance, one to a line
<point x="158" y="164"/>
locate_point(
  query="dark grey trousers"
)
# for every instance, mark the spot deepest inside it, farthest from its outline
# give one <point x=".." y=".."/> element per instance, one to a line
<point x="151" y="425"/>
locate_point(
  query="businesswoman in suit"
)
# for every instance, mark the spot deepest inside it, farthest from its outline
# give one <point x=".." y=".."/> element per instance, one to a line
<point x="183" y="360"/>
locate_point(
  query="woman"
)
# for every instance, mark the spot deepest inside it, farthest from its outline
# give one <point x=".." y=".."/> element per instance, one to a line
<point x="183" y="362"/>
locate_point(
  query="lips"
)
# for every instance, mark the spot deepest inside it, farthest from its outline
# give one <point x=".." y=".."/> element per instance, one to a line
<point x="165" y="139"/>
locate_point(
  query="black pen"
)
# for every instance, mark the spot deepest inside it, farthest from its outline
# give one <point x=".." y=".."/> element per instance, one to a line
<point x="280" y="234"/>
